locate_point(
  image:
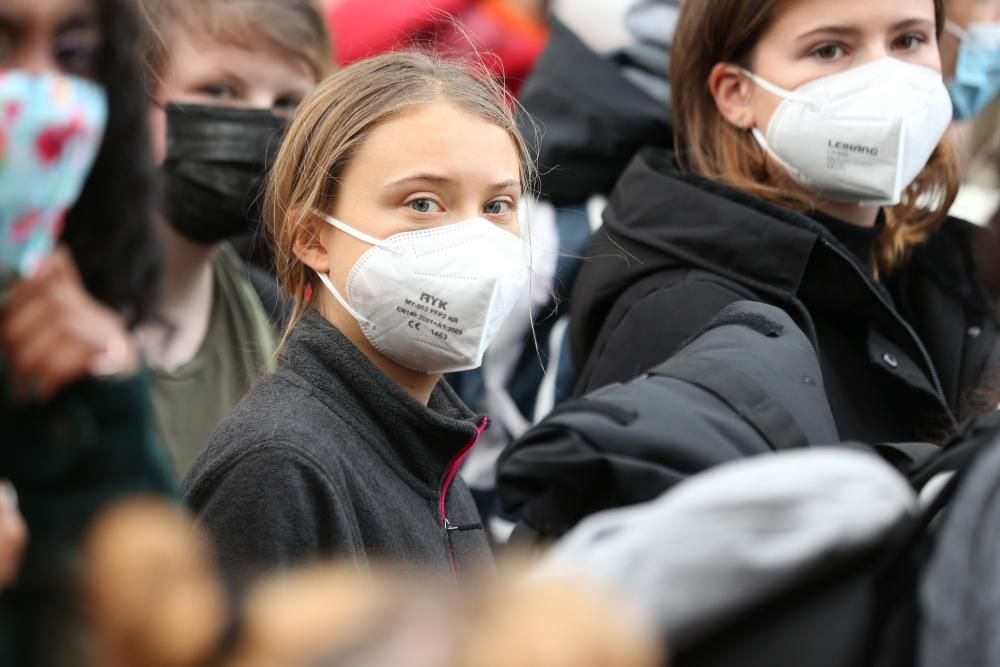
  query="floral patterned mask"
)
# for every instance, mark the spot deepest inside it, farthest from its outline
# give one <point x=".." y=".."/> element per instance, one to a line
<point x="51" y="128"/>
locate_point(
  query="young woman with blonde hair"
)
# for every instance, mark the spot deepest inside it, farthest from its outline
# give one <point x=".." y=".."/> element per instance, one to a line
<point x="812" y="175"/>
<point x="394" y="209"/>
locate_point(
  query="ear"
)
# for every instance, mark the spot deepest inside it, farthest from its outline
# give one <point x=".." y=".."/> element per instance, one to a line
<point x="309" y="244"/>
<point x="732" y="91"/>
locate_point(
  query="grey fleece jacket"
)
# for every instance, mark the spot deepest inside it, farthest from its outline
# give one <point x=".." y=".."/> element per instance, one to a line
<point x="327" y="457"/>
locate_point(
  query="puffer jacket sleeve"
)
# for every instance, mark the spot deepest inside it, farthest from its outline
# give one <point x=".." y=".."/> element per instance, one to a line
<point x="749" y="385"/>
<point x="648" y="325"/>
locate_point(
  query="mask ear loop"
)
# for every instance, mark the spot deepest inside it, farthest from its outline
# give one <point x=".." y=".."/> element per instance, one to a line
<point x="759" y="136"/>
<point x="351" y="231"/>
<point x="364" y="238"/>
<point x="325" y="279"/>
<point x="762" y="142"/>
<point x="773" y="89"/>
<point x="956" y="31"/>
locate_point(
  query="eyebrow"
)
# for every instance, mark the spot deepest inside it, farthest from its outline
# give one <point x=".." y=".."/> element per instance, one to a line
<point x="845" y="30"/>
<point x="82" y="20"/>
<point x="913" y="23"/>
<point x="446" y="181"/>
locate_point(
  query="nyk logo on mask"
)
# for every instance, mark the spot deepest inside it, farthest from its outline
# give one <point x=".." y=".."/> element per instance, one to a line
<point x="434" y="301"/>
<point x="853" y="148"/>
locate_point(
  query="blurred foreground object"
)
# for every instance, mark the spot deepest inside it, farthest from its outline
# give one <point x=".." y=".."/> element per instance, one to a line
<point x="156" y="600"/>
<point x="735" y="571"/>
<point x="13" y="535"/>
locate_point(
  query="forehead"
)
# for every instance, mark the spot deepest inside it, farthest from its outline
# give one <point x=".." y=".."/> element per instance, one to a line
<point x="973" y="10"/>
<point x="439" y="137"/>
<point x="861" y="13"/>
<point x="196" y="55"/>
<point x="44" y="12"/>
<point x="284" y="31"/>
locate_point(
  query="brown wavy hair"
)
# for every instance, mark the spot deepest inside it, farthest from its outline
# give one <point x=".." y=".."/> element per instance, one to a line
<point x="334" y="121"/>
<point x="727" y="31"/>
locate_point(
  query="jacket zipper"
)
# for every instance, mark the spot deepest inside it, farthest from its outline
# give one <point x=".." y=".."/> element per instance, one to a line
<point x="453" y="468"/>
<point x="906" y="325"/>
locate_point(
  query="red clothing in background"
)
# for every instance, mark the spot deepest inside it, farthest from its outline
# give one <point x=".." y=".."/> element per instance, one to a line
<point x="508" y="40"/>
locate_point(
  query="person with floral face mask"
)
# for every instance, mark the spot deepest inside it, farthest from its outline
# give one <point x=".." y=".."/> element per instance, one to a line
<point x="812" y="174"/>
<point x="393" y="206"/>
<point x="78" y="269"/>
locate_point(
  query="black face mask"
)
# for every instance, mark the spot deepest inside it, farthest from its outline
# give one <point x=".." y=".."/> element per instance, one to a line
<point x="217" y="161"/>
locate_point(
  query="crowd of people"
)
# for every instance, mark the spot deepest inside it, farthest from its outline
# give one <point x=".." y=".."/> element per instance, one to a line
<point x="499" y="332"/>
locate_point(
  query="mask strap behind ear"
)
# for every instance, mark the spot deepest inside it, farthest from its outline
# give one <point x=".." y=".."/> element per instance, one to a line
<point x="773" y="89"/>
<point x="351" y="231"/>
<point x="762" y="141"/>
<point x="325" y="279"/>
<point x="956" y="30"/>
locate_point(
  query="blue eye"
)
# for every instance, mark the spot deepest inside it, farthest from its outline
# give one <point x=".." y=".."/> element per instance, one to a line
<point x="424" y="205"/>
<point x="498" y="207"/>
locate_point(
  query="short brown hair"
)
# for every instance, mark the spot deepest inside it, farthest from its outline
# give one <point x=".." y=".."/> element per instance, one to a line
<point x="334" y="121"/>
<point x="727" y="31"/>
<point x="293" y="28"/>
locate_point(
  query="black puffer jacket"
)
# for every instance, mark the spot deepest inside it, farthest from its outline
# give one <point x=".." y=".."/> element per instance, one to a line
<point x="899" y="358"/>
<point x="748" y="385"/>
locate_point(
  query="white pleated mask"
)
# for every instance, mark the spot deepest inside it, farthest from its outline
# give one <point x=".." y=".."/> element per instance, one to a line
<point x="432" y="300"/>
<point x="862" y="135"/>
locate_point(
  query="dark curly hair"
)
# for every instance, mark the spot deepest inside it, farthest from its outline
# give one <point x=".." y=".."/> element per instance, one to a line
<point x="110" y="229"/>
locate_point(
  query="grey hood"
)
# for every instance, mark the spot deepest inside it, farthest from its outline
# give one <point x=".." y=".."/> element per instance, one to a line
<point x="736" y="537"/>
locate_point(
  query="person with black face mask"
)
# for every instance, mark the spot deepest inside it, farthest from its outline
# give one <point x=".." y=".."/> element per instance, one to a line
<point x="225" y="77"/>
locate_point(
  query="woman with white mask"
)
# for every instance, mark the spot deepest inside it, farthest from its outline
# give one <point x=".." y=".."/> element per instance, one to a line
<point x="811" y="174"/>
<point x="394" y="210"/>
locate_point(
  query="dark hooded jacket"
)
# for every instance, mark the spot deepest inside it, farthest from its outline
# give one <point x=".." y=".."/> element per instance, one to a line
<point x="591" y="118"/>
<point x="745" y="386"/>
<point x="900" y="358"/>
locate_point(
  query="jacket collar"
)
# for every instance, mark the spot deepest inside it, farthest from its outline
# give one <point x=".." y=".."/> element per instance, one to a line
<point x="711" y="226"/>
<point x="732" y="233"/>
<point x="661" y="219"/>
<point x="420" y="441"/>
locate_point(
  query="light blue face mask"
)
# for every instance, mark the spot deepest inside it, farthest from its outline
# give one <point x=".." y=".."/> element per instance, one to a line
<point x="977" y="72"/>
<point x="51" y="127"/>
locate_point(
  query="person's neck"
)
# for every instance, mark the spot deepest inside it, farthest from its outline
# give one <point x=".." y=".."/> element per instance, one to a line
<point x="418" y="385"/>
<point x="861" y="216"/>
<point x="187" y="298"/>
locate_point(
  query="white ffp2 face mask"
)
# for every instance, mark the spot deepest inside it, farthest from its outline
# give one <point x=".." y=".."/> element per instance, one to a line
<point x="432" y="300"/>
<point x="862" y="135"/>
